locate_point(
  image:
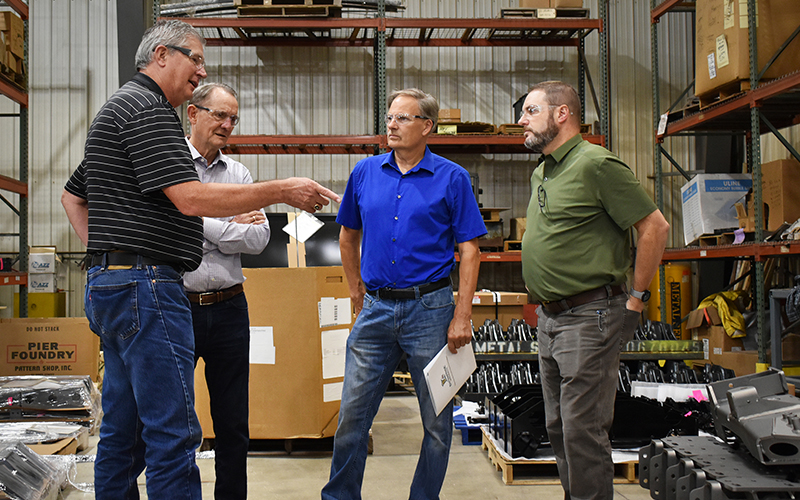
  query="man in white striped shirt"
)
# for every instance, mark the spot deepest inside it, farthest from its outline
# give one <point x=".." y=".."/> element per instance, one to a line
<point x="219" y="307"/>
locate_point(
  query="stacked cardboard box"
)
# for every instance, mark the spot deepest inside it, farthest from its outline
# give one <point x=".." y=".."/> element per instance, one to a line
<point x="780" y="195"/>
<point x="718" y="348"/>
<point x="12" y="36"/>
<point x="44" y="299"/>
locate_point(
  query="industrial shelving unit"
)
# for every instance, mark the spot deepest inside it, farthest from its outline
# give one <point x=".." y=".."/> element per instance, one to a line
<point x="774" y="104"/>
<point x="19" y="186"/>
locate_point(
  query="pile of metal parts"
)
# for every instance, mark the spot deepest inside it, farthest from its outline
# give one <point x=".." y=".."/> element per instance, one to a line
<point x="673" y="372"/>
<point x="517" y="331"/>
<point x="654" y="330"/>
<point x="493" y="377"/>
<point x="756" y="457"/>
<point x="517" y="420"/>
<point x="227" y="8"/>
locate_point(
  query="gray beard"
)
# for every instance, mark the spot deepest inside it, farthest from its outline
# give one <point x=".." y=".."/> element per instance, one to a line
<point x="537" y="141"/>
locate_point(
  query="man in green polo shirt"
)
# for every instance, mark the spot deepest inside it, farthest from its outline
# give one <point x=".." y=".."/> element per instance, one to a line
<point x="576" y="253"/>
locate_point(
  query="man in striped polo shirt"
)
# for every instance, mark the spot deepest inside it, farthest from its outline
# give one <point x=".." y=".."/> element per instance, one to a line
<point x="134" y="201"/>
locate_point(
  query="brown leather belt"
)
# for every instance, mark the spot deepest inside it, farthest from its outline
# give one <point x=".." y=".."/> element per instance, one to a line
<point x="208" y="298"/>
<point x="559" y="306"/>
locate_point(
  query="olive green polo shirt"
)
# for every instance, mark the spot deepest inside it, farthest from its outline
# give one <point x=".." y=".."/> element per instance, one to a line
<point x="584" y="199"/>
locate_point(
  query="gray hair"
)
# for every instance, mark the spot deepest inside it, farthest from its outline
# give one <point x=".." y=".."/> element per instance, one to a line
<point x="164" y="33"/>
<point x="202" y="93"/>
<point x="557" y="93"/>
<point x="427" y="103"/>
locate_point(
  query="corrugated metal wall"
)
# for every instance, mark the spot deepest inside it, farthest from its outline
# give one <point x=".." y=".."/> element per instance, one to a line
<point x="73" y="70"/>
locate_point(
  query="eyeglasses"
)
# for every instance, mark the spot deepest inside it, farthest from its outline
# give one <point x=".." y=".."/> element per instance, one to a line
<point x="541" y="197"/>
<point x="198" y="60"/>
<point x="219" y="116"/>
<point x="403" y="118"/>
<point x="536" y="109"/>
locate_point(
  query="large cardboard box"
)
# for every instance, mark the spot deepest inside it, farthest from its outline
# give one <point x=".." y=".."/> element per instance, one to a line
<point x="705" y="325"/>
<point x="449" y="115"/>
<point x="14" y="32"/>
<point x="780" y="194"/>
<point x="722" y="54"/>
<point x="49" y="346"/>
<point x="299" y="320"/>
<point x="502" y="306"/>
<point x="709" y="203"/>
<point x="741" y="362"/>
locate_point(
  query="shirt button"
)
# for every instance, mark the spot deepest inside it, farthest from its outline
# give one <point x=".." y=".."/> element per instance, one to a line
<point x="395" y="218"/>
<point x="394" y="239"/>
<point x="398" y="196"/>
<point x="392" y="262"/>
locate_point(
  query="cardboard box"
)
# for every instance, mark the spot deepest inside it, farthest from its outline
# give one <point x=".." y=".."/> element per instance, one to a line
<point x="14" y="32"/>
<point x="42" y="260"/>
<point x="502" y="306"/>
<point x="44" y="305"/>
<point x="42" y="283"/>
<point x="449" y="115"/>
<point x="705" y="325"/>
<point x="291" y="395"/>
<point x="534" y="4"/>
<point x="780" y="194"/>
<point x="567" y="4"/>
<point x="722" y="54"/>
<point x="741" y="362"/>
<point x="518" y="225"/>
<point x="709" y="203"/>
<point x="49" y="346"/>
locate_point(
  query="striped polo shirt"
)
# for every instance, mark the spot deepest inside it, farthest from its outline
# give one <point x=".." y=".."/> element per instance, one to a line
<point x="135" y="148"/>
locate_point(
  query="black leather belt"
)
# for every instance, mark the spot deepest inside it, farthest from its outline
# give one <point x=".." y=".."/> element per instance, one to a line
<point x="411" y="292"/>
<point x="208" y="298"/>
<point x="559" y="306"/>
<point x="126" y="259"/>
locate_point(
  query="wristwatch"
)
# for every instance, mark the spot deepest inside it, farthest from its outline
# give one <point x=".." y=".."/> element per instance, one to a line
<point x="643" y="296"/>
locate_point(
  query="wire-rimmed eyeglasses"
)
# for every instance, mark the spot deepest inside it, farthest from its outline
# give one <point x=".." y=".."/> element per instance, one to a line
<point x="198" y="60"/>
<point x="541" y="197"/>
<point x="219" y="116"/>
<point x="403" y="118"/>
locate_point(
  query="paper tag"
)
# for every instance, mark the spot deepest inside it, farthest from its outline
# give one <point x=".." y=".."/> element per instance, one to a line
<point x="743" y="23"/>
<point x="722" y="51"/>
<point x="662" y="124"/>
<point x="546" y="13"/>
<point x="476" y="299"/>
<point x="712" y="68"/>
<point x="447" y="129"/>
<point x="728" y="14"/>
<point x="303" y="227"/>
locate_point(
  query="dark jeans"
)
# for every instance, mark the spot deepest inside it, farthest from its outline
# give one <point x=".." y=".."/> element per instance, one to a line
<point x="222" y="339"/>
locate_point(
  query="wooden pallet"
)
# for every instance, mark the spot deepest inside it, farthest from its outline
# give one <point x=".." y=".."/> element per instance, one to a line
<point x="712" y="240"/>
<point x="289" y="11"/>
<point x="560" y="13"/>
<point x="512" y="246"/>
<point x="510" y="128"/>
<point x="532" y="472"/>
<point x="729" y="91"/>
<point x="16" y="79"/>
<point x="466" y="128"/>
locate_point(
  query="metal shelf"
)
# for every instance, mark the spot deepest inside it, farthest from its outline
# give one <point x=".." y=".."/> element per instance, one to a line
<point x="13" y="278"/>
<point x="400" y="32"/>
<point x="367" y="144"/>
<point x="623" y="356"/>
<point x="757" y="251"/>
<point x="671" y="6"/>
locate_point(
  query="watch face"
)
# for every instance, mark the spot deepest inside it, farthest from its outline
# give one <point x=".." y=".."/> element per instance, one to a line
<point x="646" y="296"/>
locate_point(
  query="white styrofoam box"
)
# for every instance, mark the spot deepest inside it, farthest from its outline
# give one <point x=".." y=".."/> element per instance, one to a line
<point x="660" y="392"/>
<point x="42" y="260"/>
<point x="708" y="203"/>
<point x="42" y="283"/>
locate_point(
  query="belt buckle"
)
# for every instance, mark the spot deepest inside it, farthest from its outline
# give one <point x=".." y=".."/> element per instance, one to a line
<point x="211" y="295"/>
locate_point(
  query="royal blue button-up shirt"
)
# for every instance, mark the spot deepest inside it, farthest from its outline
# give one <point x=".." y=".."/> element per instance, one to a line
<point x="410" y="222"/>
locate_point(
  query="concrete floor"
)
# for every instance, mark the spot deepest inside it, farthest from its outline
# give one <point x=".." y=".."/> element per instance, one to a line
<point x="397" y="433"/>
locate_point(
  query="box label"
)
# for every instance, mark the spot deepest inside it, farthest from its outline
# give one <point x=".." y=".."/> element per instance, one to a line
<point x="42" y="357"/>
<point x="690" y="191"/>
<point x="726" y="185"/>
<point x="728" y="14"/>
<point x="712" y="68"/>
<point x="722" y="51"/>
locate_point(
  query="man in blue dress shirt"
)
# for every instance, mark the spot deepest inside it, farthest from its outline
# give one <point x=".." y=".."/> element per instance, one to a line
<point x="402" y="215"/>
<point x="219" y="307"/>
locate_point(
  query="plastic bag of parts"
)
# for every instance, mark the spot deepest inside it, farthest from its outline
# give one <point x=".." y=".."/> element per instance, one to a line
<point x="24" y="475"/>
<point x="68" y="398"/>
<point x="38" y="432"/>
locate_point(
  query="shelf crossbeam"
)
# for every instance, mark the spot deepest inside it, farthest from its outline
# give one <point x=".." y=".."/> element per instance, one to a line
<point x="670" y="6"/>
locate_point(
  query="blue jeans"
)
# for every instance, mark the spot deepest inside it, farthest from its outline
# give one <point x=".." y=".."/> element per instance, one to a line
<point x="143" y="317"/>
<point x="579" y="365"/>
<point x="222" y="336"/>
<point x="384" y="330"/>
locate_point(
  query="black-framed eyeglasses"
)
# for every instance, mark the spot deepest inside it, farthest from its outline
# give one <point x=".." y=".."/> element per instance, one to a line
<point x="198" y="60"/>
<point x="403" y="118"/>
<point x="541" y="197"/>
<point x="219" y="116"/>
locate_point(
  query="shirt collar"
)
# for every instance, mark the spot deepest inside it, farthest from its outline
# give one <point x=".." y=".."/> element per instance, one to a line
<point x="426" y="163"/>
<point x="148" y="83"/>
<point x="565" y="148"/>
<point x="196" y="156"/>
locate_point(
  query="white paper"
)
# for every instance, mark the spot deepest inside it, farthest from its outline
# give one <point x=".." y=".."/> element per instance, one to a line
<point x="334" y="312"/>
<point x="334" y="348"/>
<point x="722" y="51"/>
<point x="303" y="227"/>
<point x="262" y="346"/>
<point x="712" y="68"/>
<point x="662" y="124"/>
<point x="446" y="373"/>
<point x="332" y="392"/>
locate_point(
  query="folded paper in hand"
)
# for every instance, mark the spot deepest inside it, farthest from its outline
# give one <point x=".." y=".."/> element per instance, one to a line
<point x="446" y="373"/>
